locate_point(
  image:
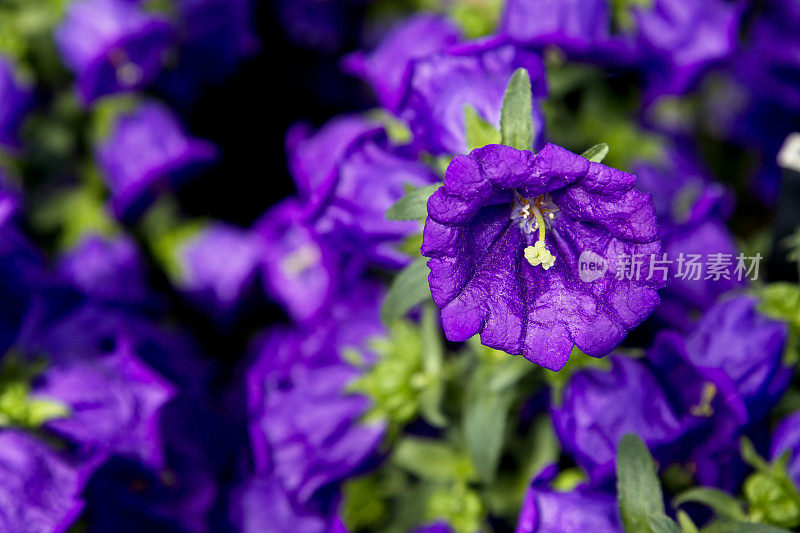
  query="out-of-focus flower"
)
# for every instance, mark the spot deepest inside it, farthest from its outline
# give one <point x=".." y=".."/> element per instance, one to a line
<point x="582" y="509"/>
<point x="691" y="210"/>
<point x="22" y="274"/>
<point x="41" y="491"/>
<point x="679" y="40"/>
<point x="112" y="46"/>
<point x="218" y="265"/>
<point x="581" y="28"/>
<point x="106" y="269"/>
<point x="600" y="407"/>
<point x="441" y="85"/>
<point x="17" y="97"/>
<point x="439" y="527"/>
<point x="489" y="276"/>
<point x="786" y="438"/>
<point x="146" y="149"/>
<point x="388" y="68"/>
<point x="215" y="37"/>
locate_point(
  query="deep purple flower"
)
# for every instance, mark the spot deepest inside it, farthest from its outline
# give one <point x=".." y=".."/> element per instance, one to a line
<point x="679" y="40"/>
<point x="581" y="28"/>
<point x="22" y="275"/>
<point x="499" y="268"/>
<point x="112" y="46"/>
<point x="17" y="97"/>
<point x="441" y="85"/>
<point x="218" y="266"/>
<point x="262" y="505"/>
<point x="148" y="148"/>
<point x="114" y="404"/>
<point x="582" y="509"/>
<point x="438" y="527"/>
<point x="106" y="269"/>
<point x="41" y="491"/>
<point x="600" y="407"/>
<point x="786" y="438"/>
<point x="691" y="210"/>
<point x="388" y="68"/>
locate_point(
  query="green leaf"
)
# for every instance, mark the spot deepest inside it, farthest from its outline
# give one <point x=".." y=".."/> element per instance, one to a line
<point x="479" y="131"/>
<point x="661" y="523"/>
<point x="485" y="415"/>
<point x="638" y="489"/>
<point x="781" y="301"/>
<point x="414" y="205"/>
<point x="742" y="527"/>
<point x="687" y="526"/>
<point x="596" y="153"/>
<point x="751" y="456"/>
<point x="408" y="289"/>
<point x="431" y="459"/>
<point x="516" y="126"/>
<point x="722" y="503"/>
<point x="430" y="400"/>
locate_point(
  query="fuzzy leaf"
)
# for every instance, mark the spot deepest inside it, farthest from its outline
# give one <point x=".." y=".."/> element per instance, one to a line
<point x="597" y="153"/>
<point x="516" y="126"/>
<point x="638" y="488"/>
<point x="408" y="289"/>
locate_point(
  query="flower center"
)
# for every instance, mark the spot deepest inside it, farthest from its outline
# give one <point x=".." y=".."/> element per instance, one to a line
<point x="535" y="215"/>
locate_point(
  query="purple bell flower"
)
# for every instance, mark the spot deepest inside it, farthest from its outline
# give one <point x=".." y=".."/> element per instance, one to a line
<point x="679" y="40"/>
<point x="147" y="149"/>
<point x="41" y="491"/>
<point x="112" y="46"/>
<point x="600" y="407"/>
<point x="106" y="269"/>
<point x="388" y="68"/>
<point x="691" y="210"/>
<point x="582" y="509"/>
<point x="17" y="97"/>
<point x="506" y="234"/>
<point x="219" y="265"/>
<point x="441" y="85"/>
<point x="581" y="28"/>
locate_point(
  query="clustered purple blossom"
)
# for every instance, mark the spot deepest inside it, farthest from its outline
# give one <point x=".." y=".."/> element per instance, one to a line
<point x="113" y="414"/>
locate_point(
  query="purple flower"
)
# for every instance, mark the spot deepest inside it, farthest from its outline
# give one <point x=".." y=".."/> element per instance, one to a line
<point x="581" y="28"/>
<point x="40" y="492"/>
<point x="300" y="269"/>
<point x="22" y="275"/>
<point x="388" y="68"/>
<point x="114" y="404"/>
<point x="218" y="266"/>
<point x="504" y="235"/>
<point x="17" y="98"/>
<point x="262" y="505"/>
<point x="106" y="269"/>
<point x="600" y="407"/>
<point x="582" y="509"/>
<point x="112" y="46"/>
<point x="147" y="149"/>
<point x="786" y="438"/>
<point x="679" y="40"/>
<point x="439" y="527"/>
<point x="691" y="210"/>
<point x="441" y="85"/>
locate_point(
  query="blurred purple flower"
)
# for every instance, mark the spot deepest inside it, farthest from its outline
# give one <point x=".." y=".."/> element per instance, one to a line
<point x="112" y="46"/>
<point x="583" y="509"/>
<point x="786" y="438"/>
<point x="490" y="274"/>
<point x="440" y="85"/>
<point x="691" y="209"/>
<point x="17" y="97"/>
<point x="218" y="266"/>
<point x="600" y="407"/>
<point x="147" y="149"/>
<point x="41" y="491"/>
<point x="106" y="269"/>
<point x="388" y="68"/>
<point x="581" y="28"/>
<point x="679" y="40"/>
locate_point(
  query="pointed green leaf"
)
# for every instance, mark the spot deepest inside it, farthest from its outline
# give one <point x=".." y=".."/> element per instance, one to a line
<point x="596" y="153"/>
<point x="408" y="289"/>
<point x="414" y="205"/>
<point x="638" y="488"/>
<point x="722" y="503"/>
<point x="516" y="126"/>
<point x="479" y="131"/>
<point x="686" y="523"/>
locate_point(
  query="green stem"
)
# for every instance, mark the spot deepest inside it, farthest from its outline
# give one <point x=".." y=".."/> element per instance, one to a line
<point x="540" y="223"/>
